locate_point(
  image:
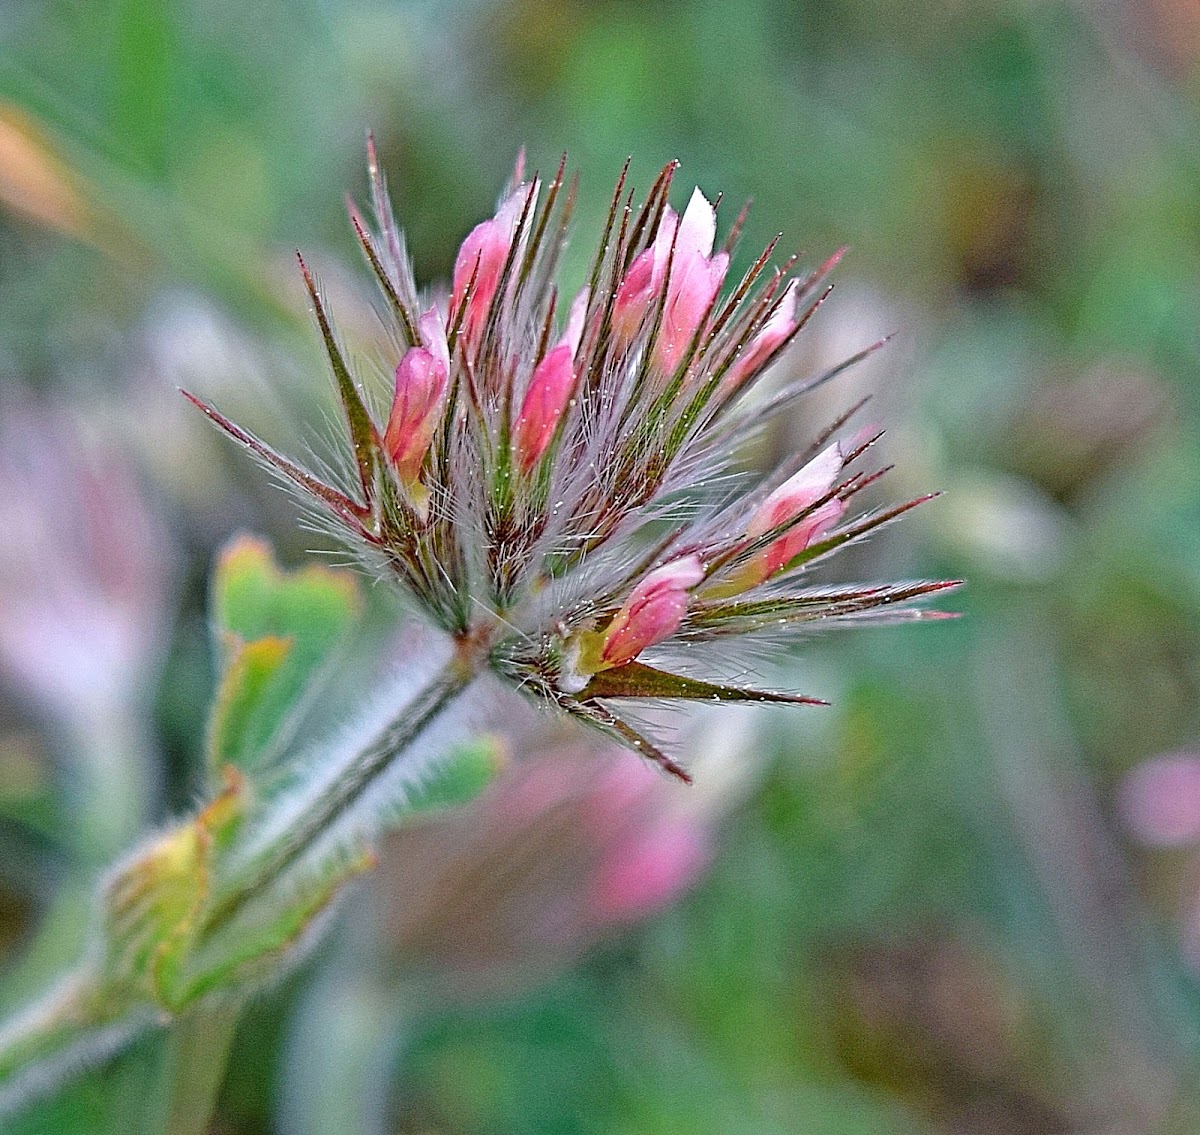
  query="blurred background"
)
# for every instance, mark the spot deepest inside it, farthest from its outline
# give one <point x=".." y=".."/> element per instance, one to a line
<point x="963" y="899"/>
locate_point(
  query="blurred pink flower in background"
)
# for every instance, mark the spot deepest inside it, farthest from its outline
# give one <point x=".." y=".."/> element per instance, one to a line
<point x="1159" y="803"/>
<point x="86" y="570"/>
<point x="572" y="843"/>
<point x="1160" y="800"/>
<point x="85" y="565"/>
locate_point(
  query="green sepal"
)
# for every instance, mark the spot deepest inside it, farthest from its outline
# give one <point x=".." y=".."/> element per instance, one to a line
<point x="636" y="680"/>
<point x="364" y="438"/>
<point x="745" y="616"/>
<point x="275" y="631"/>
<point x="601" y="718"/>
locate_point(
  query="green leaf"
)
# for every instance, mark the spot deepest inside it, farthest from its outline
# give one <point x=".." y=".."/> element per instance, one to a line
<point x="115" y="1095"/>
<point x="276" y="630"/>
<point x="458" y="778"/>
<point x="164" y="1082"/>
<point x="193" y="1054"/>
<point x="230" y="962"/>
<point x="155" y="903"/>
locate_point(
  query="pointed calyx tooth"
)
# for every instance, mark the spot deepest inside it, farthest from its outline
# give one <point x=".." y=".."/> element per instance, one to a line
<point x="603" y="719"/>
<point x="363" y="436"/>
<point x="637" y="680"/>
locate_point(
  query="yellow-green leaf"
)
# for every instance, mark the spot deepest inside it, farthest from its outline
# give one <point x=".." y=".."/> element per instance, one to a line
<point x="276" y="630"/>
<point x="154" y="904"/>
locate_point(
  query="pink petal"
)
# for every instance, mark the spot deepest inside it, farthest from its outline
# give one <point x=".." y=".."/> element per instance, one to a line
<point x="549" y="390"/>
<point x="545" y="400"/>
<point x="798" y="492"/>
<point x="775" y="331"/>
<point x="433" y="336"/>
<point x="513" y="206"/>
<point x="420" y="383"/>
<point x="661" y="248"/>
<point x="633" y="296"/>
<point x="653" y="612"/>
<point x="696" y="277"/>
<point x="697" y="229"/>
<point x="643" y="280"/>
<point x="693" y="287"/>
<point x="575" y="320"/>
<point x="776" y="556"/>
<point x="482" y="256"/>
<point x="1160" y="800"/>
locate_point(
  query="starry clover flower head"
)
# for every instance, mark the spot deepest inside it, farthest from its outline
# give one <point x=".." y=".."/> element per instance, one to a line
<point x="557" y="481"/>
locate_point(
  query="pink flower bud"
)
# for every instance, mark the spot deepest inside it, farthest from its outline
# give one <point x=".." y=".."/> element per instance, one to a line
<point x="798" y="493"/>
<point x="1160" y="800"/>
<point x="644" y="280"/>
<point x="420" y="384"/>
<point x="778" y="327"/>
<point x="696" y="277"/>
<point x="481" y="257"/>
<point x="545" y="400"/>
<point x="549" y="391"/>
<point x="653" y="611"/>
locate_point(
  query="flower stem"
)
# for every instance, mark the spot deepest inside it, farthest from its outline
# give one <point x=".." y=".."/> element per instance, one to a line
<point x="74" y="1010"/>
<point x="361" y="773"/>
<point x="86" y="1008"/>
<point x="193" y="1069"/>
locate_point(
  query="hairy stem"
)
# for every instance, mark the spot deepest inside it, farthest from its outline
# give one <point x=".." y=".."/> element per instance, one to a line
<point x="362" y="772"/>
<point x="73" y="1011"/>
<point x="193" y="1069"/>
<point x="87" y="1009"/>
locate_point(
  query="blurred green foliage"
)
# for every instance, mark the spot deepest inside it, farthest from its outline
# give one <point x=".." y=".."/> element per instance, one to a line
<point x="275" y="635"/>
<point x="928" y="917"/>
